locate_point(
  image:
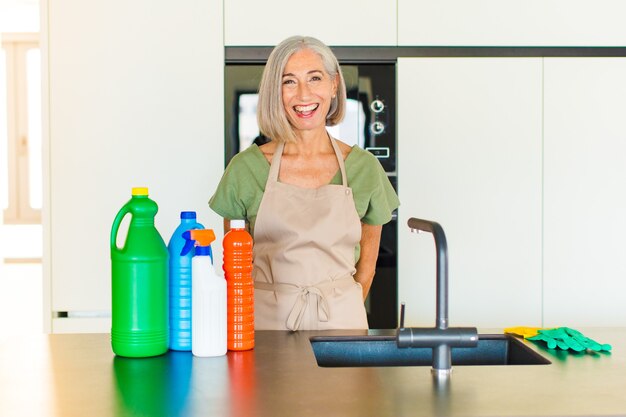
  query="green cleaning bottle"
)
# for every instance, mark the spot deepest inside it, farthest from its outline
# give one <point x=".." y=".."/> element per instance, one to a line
<point x="139" y="272"/>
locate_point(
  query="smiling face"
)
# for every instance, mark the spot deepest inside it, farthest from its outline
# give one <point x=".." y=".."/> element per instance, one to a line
<point x="307" y="91"/>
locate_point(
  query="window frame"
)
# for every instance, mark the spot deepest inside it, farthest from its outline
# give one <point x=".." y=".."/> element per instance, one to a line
<point x="16" y="47"/>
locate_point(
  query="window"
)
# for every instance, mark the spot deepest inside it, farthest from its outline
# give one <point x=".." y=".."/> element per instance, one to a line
<point x="20" y="129"/>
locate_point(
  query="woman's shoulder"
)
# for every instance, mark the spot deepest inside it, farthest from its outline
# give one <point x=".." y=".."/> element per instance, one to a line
<point x="252" y="157"/>
<point x="359" y="156"/>
<point x="359" y="168"/>
<point x="344" y="148"/>
<point x="267" y="150"/>
<point x="374" y="196"/>
<point x="364" y="169"/>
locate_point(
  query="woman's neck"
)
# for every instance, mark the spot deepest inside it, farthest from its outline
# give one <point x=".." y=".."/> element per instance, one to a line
<point x="310" y="143"/>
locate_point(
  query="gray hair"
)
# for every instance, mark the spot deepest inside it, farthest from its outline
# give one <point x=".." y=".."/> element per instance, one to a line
<point x="271" y="115"/>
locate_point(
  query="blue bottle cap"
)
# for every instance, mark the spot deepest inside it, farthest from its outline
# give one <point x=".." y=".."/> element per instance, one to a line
<point x="187" y="214"/>
<point x="204" y="251"/>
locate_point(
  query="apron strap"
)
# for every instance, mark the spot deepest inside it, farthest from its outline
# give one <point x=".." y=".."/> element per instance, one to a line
<point x="342" y="166"/>
<point x="275" y="167"/>
<point x="320" y="290"/>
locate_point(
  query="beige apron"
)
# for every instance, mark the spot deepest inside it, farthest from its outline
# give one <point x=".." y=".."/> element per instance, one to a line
<point x="304" y="241"/>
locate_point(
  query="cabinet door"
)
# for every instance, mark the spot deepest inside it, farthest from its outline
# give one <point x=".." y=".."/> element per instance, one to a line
<point x="130" y="104"/>
<point x="585" y="191"/>
<point x="469" y="157"/>
<point x="511" y="23"/>
<point x="346" y="22"/>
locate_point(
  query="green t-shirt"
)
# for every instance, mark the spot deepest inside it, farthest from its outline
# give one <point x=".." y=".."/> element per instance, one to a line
<point x="239" y="193"/>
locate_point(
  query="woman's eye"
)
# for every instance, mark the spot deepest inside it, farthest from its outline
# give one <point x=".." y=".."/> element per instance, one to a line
<point x="286" y="82"/>
<point x="316" y="78"/>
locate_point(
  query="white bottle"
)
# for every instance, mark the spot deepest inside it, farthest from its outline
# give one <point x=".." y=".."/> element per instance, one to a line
<point x="208" y="300"/>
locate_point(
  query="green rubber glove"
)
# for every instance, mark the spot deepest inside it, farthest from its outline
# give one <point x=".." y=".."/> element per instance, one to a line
<point x="552" y="338"/>
<point x="565" y="338"/>
<point x="586" y="342"/>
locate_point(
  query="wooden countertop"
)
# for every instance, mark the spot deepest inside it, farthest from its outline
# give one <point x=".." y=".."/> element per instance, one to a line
<point x="78" y="375"/>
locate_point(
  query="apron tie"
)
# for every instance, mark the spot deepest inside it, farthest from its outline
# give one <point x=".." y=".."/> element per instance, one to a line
<point x="319" y="290"/>
<point x="302" y="302"/>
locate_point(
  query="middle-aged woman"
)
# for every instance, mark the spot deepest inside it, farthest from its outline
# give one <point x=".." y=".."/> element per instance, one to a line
<point x="314" y="205"/>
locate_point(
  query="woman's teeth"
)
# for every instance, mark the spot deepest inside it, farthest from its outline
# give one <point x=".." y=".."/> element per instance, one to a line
<point x="306" y="109"/>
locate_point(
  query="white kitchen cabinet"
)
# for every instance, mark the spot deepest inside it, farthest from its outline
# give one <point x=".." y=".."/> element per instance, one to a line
<point x="511" y="23"/>
<point x="585" y="192"/>
<point x="469" y="157"/>
<point x="134" y="98"/>
<point x="346" y="22"/>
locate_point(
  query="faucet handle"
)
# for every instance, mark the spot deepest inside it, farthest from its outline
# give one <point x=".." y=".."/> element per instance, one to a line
<point x="402" y="308"/>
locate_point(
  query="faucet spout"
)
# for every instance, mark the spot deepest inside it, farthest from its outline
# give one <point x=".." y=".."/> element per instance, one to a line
<point x="441" y="338"/>
<point x="441" y="246"/>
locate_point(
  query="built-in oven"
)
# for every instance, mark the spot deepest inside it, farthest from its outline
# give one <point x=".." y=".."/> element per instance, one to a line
<point x="370" y="123"/>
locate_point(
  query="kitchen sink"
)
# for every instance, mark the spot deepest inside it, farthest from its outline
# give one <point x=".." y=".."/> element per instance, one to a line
<point x="361" y="351"/>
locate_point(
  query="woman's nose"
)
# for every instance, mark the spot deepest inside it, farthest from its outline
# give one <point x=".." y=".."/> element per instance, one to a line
<point x="303" y="90"/>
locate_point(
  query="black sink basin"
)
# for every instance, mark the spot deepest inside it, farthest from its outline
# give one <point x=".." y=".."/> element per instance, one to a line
<point x="359" y="351"/>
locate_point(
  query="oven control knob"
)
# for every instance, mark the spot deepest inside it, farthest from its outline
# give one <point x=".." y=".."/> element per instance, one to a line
<point x="377" y="106"/>
<point x="377" y="128"/>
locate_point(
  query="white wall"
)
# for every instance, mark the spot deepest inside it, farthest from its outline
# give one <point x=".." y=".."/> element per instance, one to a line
<point x="135" y="99"/>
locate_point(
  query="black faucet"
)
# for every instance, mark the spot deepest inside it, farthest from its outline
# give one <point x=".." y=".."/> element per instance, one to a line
<point x="441" y="338"/>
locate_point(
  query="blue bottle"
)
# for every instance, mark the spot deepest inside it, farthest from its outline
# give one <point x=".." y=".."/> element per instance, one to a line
<point x="180" y="284"/>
